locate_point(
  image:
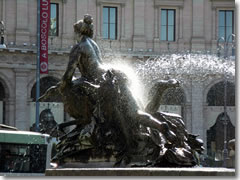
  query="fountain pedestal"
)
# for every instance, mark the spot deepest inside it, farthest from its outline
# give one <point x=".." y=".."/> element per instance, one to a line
<point x="197" y="171"/>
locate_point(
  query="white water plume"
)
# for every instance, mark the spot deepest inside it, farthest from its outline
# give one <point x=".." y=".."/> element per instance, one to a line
<point x="185" y="66"/>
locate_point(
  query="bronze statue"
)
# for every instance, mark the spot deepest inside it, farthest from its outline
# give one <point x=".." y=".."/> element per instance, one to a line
<point x="108" y="121"/>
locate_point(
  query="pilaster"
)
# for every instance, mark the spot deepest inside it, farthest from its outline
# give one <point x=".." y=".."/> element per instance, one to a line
<point x="188" y="121"/>
<point x="21" y="105"/>
<point x="139" y="25"/>
<point x="197" y="109"/>
<point x="10" y="108"/>
<point x="82" y="8"/>
<point x="64" y="30"/>
<point x="123" y="21"/>
<point x="198" y="41"/>
<point x="98" y="21"/>
<point x="22" y="29"/>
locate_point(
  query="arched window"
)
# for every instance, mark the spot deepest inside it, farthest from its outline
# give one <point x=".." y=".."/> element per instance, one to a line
<point x="215" y="96"/>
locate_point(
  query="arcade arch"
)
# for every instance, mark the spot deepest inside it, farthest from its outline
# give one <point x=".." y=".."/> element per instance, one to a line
<point x="215" y="137"/>
<point x="214" y="115"/>
<point x="215" y="96"/>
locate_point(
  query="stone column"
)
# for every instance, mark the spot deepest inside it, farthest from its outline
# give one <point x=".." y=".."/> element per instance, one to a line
<point x="188" y="117"/>
<point x="205" y="123"/>
<point x="21" y="108"/>
<point x="198" y="41"/>
<point x="197" y="109"/>
<point x="139" y="25"/>
<point x="22" y="30"/>
<point x="9" y="112"/>
<point x="31" y="113"/>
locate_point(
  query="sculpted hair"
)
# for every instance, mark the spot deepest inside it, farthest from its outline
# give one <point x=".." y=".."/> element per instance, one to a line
<point x="85" y="26"/>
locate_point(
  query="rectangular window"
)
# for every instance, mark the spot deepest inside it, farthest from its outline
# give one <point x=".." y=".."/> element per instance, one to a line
<point x="53" y="31"/>
<point x="109" y="30"/>
<point x="168" y="24"/>
<point x="226" y="24"/>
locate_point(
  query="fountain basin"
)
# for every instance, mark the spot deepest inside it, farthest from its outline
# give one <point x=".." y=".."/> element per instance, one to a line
<point x="144" y="171"/>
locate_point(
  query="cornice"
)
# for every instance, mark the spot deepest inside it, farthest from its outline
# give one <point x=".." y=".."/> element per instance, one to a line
<point x="223" y="4"/>
<point x="121" y="2"/>
<point x="178" y="3"/>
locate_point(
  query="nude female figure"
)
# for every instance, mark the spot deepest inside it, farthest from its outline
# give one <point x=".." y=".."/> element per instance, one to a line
<point x="86" y="56"/>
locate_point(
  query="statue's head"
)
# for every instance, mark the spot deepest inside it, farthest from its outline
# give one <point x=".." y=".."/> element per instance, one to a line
<point x="84" y="27"/>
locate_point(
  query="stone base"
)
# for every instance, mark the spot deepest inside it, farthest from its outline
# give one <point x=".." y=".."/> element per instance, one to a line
<point x="140" y="172"/>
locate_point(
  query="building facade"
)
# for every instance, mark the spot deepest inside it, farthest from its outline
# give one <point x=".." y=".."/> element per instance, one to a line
<point x="132" y="29"/>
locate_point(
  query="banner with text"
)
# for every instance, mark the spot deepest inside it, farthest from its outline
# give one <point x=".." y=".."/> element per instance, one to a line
<point x="44" y="28"/>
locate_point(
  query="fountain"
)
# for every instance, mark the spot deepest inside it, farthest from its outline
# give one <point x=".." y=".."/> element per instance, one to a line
<point x="110" y="123"/>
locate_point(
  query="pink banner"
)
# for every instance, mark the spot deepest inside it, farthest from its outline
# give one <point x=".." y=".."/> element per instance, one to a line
<point x="44" y="28"/>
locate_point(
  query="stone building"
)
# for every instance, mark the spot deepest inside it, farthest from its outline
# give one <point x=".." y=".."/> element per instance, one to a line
<point x="131" y="29"/>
